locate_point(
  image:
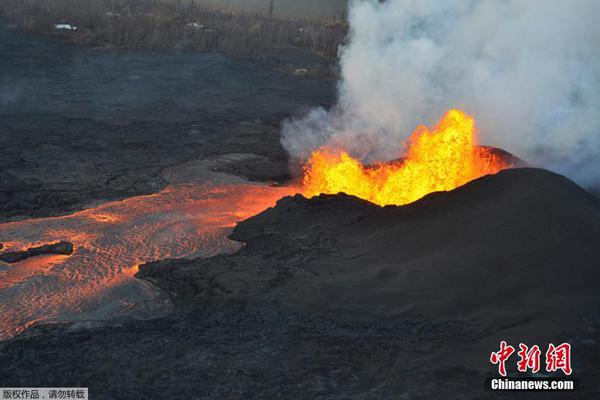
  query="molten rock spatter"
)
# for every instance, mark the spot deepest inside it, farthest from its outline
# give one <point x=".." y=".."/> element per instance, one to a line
<point x="438" y="159"/>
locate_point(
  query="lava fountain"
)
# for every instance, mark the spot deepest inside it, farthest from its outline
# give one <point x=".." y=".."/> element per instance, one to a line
<point x="192" y="220"/>
<point x="438" y="159"/>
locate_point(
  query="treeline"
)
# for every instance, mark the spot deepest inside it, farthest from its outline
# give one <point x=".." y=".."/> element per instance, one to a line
<point x="173" y="25"/>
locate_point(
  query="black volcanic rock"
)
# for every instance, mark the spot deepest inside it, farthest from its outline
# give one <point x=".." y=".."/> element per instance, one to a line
<point x="63" y="247"/>
<point x="334" y="297"/>
<point x="512" y="256"/>
<point x="518" y="249"/>
<point x="521" y="236"/>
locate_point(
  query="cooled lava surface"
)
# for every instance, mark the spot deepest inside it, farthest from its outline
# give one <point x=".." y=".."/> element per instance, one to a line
<point x="335" y="297"/>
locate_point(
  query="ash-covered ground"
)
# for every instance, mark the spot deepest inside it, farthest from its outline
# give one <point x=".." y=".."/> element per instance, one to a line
<point x="79" y="125"/>
<point x="330" y="298"/>
<point x="336" y="298"/>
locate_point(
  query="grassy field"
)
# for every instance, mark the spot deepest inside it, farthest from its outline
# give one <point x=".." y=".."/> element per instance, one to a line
<point x="179" y="25"/>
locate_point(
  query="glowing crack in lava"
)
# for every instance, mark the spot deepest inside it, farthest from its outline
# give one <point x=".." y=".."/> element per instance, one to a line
<point x="111" y="240"/>
<point x="438" y="159"/>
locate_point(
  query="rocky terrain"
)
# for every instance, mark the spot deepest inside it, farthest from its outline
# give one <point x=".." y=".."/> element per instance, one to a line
<point x="78" y="125"/>
<point x="330" y="297"/>
<point x="82" y="127"/>
<point x="336" y="298"/>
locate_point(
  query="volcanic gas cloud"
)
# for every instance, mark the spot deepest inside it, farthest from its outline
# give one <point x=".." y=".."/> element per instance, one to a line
<point x="442" y="158"/>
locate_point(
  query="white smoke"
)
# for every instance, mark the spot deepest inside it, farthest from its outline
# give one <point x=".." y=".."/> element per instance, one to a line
<point x="528" y="70"/>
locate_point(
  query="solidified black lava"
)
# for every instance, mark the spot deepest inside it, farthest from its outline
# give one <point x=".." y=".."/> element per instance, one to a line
<point x="62" y="247"/>
<point x="334" y="297"/>
<point x="136" y="123"/>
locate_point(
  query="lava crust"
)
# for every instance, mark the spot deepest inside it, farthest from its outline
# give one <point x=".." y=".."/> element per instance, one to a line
<point x="334" y="297"/>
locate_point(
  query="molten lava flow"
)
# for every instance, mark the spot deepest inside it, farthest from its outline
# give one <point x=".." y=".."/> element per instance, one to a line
<point x="111" y="241"/>
<point x="439" y="159"/>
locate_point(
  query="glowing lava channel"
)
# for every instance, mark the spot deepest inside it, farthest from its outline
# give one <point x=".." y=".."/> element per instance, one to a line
<point x="438" y="159"/>
<point x="96" y="281"/>
<point x="193" y="220"/>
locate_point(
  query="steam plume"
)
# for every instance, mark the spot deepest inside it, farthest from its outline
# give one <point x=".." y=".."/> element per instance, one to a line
<point x="528" y="70"/>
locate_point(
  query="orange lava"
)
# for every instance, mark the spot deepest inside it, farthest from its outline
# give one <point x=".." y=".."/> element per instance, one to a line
<point x="110" y="242"/>
<point x="113" y="239"/>
<point x="438" y="159"/>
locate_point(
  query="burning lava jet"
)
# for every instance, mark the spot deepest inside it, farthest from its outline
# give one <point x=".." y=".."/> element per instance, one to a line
<point x="438" y="159"/>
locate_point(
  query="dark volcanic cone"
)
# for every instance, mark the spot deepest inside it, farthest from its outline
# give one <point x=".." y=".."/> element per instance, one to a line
<point x="334" y="297"/>
<point x="517" y="245"/>
<point x="512" y="256"/>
